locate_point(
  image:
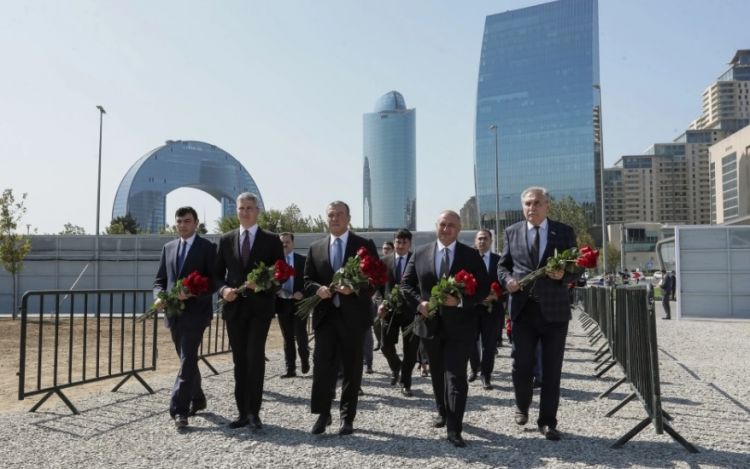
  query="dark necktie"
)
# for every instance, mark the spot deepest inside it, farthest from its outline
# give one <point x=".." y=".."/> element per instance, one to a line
<point x="535" y="247"/>
<point x="399" y="268"/>
<point x="245" y="252"/>
<point x="445" y="264"/>
<point x="181" y="256"/>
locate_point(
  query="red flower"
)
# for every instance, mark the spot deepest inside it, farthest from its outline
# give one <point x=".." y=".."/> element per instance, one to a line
<point x="587" y="257"/>
<point x="363" y="252"/>
<point x="496" y="289"/>
<point x="195" y="284"/>
<point x="468" y="281"/>
<point x="374" y="269"/>
<point x="282" y="271"/>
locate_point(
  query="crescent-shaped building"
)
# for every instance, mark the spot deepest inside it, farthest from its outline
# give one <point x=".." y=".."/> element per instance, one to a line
<point x="182" y="163"/>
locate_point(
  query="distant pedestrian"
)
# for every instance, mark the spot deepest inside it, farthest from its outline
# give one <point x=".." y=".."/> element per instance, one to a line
<point x="667" y="286"/>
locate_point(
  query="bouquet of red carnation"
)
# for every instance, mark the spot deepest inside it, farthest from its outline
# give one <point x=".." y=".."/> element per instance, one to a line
<point x="460" y="285"/>
<point x="194" y="284"/>
<point x="265" y="278"/>
<point x="497" y="290"/>
<point x="357" y="273"/>
<point x="571" y="260"/>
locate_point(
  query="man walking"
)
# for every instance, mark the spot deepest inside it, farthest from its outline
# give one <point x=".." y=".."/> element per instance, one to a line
<point x="540" y="311"/>
<point x="293" y="329"/>
<point x="179" y="258"/>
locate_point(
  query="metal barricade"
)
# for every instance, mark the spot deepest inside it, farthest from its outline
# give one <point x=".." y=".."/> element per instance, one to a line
<point x="626" y="318"/>
<point x="69" y="338"/>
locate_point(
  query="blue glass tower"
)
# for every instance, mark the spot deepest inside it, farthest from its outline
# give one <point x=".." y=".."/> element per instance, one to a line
<point x="537" y="73"/>
<point x="143" y="191"/>
<point x="390" y="165"/>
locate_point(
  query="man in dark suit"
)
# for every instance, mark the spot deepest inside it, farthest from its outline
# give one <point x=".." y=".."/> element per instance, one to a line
<point x="540" y="311"/>
<point x="395" y="323"/>
<point x="248" y="314"/>
<point x="179" y="258"/>
<point x="450" y="334"/>
<point x="339" y="320"/>
<point x="292" y="327"/>
<point x="489" y="321"/>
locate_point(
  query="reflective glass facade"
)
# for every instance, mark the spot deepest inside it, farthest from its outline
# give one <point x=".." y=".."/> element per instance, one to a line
<point x="143" y="191"/>
<point x="390" y="165"/>
<point x="537" y="72"/>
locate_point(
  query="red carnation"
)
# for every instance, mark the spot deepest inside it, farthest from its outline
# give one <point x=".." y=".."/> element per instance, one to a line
<point x="468" y="281"/>
<point x="363" y="252"/>
<point x="496" y="289"/>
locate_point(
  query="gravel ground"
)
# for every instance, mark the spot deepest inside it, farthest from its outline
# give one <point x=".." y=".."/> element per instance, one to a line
<point x="703" y="369"/>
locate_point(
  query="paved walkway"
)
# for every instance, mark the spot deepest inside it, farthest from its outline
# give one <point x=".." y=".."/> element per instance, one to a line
<point x="705" y="388"/>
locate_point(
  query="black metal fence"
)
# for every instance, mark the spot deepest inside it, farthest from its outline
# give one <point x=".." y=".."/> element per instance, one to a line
<point x="71" y="338"/>
<point x="625" y="317"/>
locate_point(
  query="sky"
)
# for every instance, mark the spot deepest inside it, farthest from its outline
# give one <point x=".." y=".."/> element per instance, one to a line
<point x="282" y="86"/>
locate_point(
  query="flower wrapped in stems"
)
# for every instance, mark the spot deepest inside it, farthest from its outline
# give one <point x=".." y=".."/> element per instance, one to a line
<point x="169" y="301"/>
<point x="393" y="303"/>
<point x="356" y="274"/>
<point x="572" y="260"/>
<point x="497" y="290"/>
<point x="462" y="284"/>
<point x="264" y="278"/>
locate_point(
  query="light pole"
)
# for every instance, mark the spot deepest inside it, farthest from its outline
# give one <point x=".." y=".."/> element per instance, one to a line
<point x="601" y="179"/>
<point x="493" y="129"/>
<point x="99" y="176"/>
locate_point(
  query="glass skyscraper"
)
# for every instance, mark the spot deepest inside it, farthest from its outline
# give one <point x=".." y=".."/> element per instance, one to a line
<point x="538" y="95"/>
<point x="390" y="165"/>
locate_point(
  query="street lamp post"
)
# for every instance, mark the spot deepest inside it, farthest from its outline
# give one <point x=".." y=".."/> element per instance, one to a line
<point x="601" y="178"/>
<point x="493" y="129"/>
<point x="99" y="176"/>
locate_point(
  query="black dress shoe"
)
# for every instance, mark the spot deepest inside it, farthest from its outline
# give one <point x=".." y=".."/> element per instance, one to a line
<point x="537" y="384"/>
<point x="180" y="421"/>
<point x="394" y="377"/>
<point x="255" y="422"/>
<point x="305" y="367"/>
<point x="196" y="407"/>
<point x="406" y="392"/>
<point x="288" y="374"/>
<point x="486" y="382"/>
<point x="473" y="376"/>
<point x="240" y="422"/>
<point x="346" y="428"/>
<point x="376" y="348"/>
<point x="666" y="317"/>
<point x="438" y="421"/>
<point x="369" y="370"/>
<point x="456" y="440"/>
<point x="549" y="433"/>
<point x="320" y="425"/>
<point x="521" y="417"/>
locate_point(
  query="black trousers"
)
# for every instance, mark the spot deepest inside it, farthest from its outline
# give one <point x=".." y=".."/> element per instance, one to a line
<point x="336" y="345"/>
<point x="482" y="358"/>
<point x="529" y="328"/>
<point x="391" y="331"/>
<point x="186" y="336"/>
<point x="293" y="329"/>
<point x="247" y="335"/>
<point x="448" y="360"/>
<point x="666" y="305"/>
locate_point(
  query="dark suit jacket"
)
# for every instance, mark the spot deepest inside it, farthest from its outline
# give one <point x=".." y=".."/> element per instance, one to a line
<point x="318" y="272"/>
<point x="200" y="257"/>
<point x="406" y="315"/>
<point x="515" y="262"/>
<point x="419" y="278"/>
<point x="497" y="306"/>
<point x="229" y="269"/>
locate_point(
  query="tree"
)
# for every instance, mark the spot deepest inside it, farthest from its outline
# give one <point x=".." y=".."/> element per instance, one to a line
<point x="172" y="230"/>
<point x="227" y="224"/>
<point x="13" y="246"/>
<point x="290" y="219"/>
<point x="123" y="225"/>
<point x="71" y="229"/>
<point x="613" y="258"/>
<point x="568" y="211"/>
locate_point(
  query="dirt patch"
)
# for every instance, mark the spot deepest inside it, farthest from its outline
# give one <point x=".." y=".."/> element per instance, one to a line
<point x="121" y="347"/>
